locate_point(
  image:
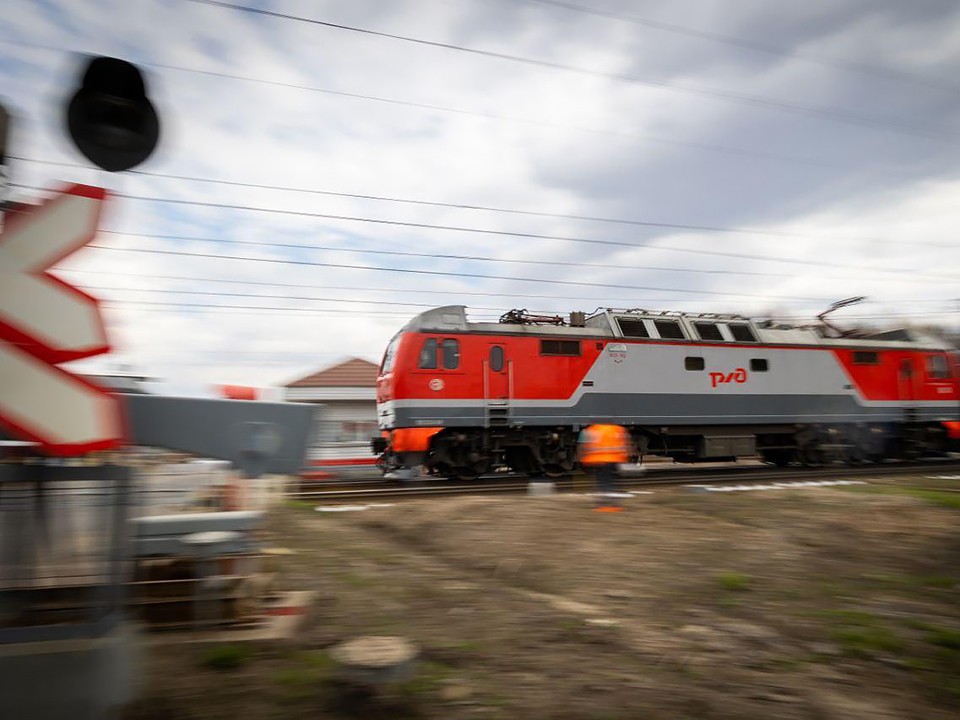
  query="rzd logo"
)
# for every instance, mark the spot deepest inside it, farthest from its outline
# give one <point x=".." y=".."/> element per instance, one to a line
<point x="718" y="378"/>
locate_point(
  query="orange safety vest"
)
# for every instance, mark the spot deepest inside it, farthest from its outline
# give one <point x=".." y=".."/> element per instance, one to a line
<point x="604" y="444"/>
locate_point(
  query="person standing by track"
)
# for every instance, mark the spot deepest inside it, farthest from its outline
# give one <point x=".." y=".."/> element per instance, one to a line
<point x="603" y="447"/>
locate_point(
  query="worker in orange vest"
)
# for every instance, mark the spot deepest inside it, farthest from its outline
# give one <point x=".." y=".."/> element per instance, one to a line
<point x="603" y="447"/>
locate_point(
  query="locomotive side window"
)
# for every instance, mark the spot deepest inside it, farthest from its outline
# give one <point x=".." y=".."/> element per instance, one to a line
<point x="496" y="358"/>
<point x="451" y="354"/>
<point x="428" y="355"/>
<point x="708" y="331"/>
<point x="864" y="357"/>
<point x="937" y="367"/>
<point x="669" y="329"/>
<point x="693" y="363"/>
<point x="632" y="328"/>
<point x="568" y="348"/>
<point x="759" y="365"/>
<point x="742" y="332"/>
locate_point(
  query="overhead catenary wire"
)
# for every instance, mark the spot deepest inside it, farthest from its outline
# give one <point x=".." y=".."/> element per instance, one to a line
<point x="411" y="291"/>
<point x="441" y="273"/>
<point x="393" y="303"/>
<point x="539" y="236"/>
<point x="433" y="256"/>
<point x="464" y="206"/>
<point x="643" y="137"/>
<point x="728" y="96"/>
<point x="532" y="236"/>
<point x="376" y="314"/>
<point x="754" y="45"/>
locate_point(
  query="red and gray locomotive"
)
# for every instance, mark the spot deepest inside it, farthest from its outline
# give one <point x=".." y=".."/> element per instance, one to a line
<point x="466" y="398"/>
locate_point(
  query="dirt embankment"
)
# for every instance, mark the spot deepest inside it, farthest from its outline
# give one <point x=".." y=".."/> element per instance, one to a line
<point x="818" y="603"/>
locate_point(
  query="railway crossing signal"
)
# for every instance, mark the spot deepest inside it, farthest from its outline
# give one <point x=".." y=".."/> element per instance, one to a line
<point x="45" y="321"/>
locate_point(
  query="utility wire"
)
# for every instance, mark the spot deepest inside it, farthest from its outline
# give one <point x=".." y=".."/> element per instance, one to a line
<point x="499" y="309"/>
<point x="724" y="149"/>
<point x="537" y="236"/>
<point x="411" y="291"/>
<point x="434" y="256"/>
<point x="740" y="98"/>
<point x="377" y="314"/>
<point x="855" y="67"/>
<point x="533" y="236"/>
<point x="440" y="273"/>
<point x="457" y="206"/>
<point x="312" y="298"/>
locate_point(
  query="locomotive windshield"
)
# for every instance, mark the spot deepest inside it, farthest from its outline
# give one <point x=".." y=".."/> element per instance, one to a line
<point x="391" y="351"/>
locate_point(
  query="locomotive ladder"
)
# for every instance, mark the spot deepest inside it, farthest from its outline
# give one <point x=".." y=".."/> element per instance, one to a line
<point x="497" y="412"/>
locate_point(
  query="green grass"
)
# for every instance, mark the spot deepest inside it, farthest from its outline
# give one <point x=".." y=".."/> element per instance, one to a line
<point x="937" y="497"/>
<point x="300" y="505"/>
<point x="943" y="637"/>
<point x="939" y="582"/>
<point x="429" y="677"/>
<point x="305" y="677"/>
<point x="226" y="657"/>
<point x="356" y="580"/>
<point x="866" y="641"/>
<point x="850" y="617"/>
<point x="861" y="633"/>
<point x="734" y="581"/>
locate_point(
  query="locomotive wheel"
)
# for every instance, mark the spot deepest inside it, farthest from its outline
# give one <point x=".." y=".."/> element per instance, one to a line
<point x="520" y="460"/>
<point x="464" y="474"/>
<point x="780" y="458"/>
<point x="553" y="471"/>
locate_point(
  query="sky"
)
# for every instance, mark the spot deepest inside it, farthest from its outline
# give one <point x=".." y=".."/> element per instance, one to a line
<point x="320" y="162"/>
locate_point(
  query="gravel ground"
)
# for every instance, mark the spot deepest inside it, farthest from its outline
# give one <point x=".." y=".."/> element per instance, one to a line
<point x="816" y="603"/>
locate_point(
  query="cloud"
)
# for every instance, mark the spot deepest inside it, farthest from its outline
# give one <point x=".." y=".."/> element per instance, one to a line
<point x="859" y="198"/>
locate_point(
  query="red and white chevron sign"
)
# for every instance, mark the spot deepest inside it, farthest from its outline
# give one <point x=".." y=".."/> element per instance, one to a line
<point x="45" y="321"/>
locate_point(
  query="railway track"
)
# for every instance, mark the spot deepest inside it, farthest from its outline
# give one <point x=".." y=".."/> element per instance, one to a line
<point x="760" y="474"/>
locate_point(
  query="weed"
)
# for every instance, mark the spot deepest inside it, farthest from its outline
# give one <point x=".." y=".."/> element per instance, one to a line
<point x="943" y="637"/>
<point x="299" y="504"/>
<point x="734" y="581"/>
<point x="851" y="617"/>
<point x="358" y="581"/>
<point x="937" y="497"/>
<point x="225" y="657"/>
<point x="921" y="664"/>
<point x="383" y="557"/>
<point x="430" y="675"/>
<point x="316" y="659"/>
<point x="864" y="641"/>
<point x="296" y="677"/>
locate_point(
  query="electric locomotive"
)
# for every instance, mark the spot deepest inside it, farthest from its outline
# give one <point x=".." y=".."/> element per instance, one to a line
<point x="465" y="398"/>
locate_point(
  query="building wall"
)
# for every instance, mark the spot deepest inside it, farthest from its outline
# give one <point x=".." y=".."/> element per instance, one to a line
<point x="347" y="422"/>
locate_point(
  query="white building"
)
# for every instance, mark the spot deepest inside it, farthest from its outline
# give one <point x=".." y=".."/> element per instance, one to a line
<point x="348" y="394"/>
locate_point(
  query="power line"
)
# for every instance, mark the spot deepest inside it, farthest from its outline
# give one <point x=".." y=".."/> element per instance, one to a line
<point x="741" y="98"/>
<point x="538" y="236"/>
<point x="440" y="273"/>
<point x="498" y="310"/>
<point x="433" y="256"/>
<point x="310" y="311"/>
<point x="148" y="304"/>
<point x="406" y="291"/>
<point x="724" y="149"/>
<point x="534" y="236"/>
<point x="458" y="206"/>
<point x="312" y="298"/>
<point x="876" y="71"/>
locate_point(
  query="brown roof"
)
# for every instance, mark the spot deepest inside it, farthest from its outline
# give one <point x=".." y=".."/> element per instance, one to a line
<point x="354" y="372"/>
